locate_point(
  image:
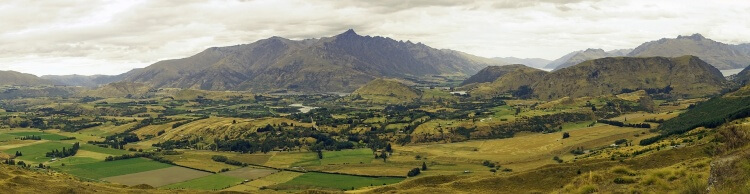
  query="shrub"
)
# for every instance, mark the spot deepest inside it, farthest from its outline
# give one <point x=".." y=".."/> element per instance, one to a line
<point x="413" y="172"/>
<point x="624" y="180"/>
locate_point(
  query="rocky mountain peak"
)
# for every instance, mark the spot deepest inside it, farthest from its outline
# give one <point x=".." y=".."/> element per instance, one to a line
<point x="695" y="36"/>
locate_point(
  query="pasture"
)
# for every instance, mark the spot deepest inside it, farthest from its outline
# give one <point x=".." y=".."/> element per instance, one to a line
<point x="250" y="173"/>
<point x="521" y="152"/>
<point x="103" y="169"/>
<point x="334" y="181"/>
<point x="36" y="152"/>
<point x="273" y="179"/>
<point x="43" y="135"/>
<point x="159" y="177"/>
<point x="356" y="156"/>
<point x="211" y="182"/>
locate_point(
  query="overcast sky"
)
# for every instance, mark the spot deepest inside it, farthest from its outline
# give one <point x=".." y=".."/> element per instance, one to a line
<point x="111" y="37"/>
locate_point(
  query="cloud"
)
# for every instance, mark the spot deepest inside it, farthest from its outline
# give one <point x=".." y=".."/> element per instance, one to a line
<point x="110" y="37"/>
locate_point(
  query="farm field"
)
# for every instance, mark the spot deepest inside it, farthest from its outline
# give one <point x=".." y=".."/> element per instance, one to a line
<point x="211" y="182"/>
<point x="273" y="179"/>
<point x="522" y="152"/>
<point x="37" y="152"/>
<point x="334" y="181"/>
<point x="250" y="173"/>
<point x="159" y="177"/>
<point x="200" y="160"/>
<point x="104" y="169"/>
<point x="43" y="135"/>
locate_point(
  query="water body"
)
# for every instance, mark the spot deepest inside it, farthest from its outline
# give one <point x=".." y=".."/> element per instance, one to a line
<point x="729" y="72"/>
<point x="303" y="108"/>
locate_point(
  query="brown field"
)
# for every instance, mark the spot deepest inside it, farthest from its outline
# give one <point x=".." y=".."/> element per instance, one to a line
<point x="274" y="179"/>
<point x="250" y="173"/>
<point x="158" y="177"/>
<point x="200" y="160"/>
<point x="522" y="152"/>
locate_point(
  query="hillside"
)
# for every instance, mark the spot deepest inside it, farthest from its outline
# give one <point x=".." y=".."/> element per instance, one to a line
<point x="557" y="62"/>
<point x="18" y="180"/>
<point x="491" y="73"/>
<point x="81" y="80"/>
<point x="511" y="81"/>
<point x="742" y="77"/>
<point x="341" y="63"/>
<point x="685" y="76"/>
<point x="387" y="90"/>
<point x="17" y="78"/>
<point x="720" y="55"/>
<point x="589" y="54"/>
<point x="120" y="90"/>
<point x="531" y="62"/>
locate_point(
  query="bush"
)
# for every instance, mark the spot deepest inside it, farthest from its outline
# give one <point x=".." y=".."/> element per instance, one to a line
<point x="624" y="180"/>
<point x="413" y="172"/>
<point x="566" y="135"/>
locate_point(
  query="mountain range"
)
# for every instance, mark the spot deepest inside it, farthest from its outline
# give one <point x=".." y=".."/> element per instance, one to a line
<point x="686" y="76"/>
<point x="720" y="55"/>
<point x="341" y="63"/>
<point x="581" y="56"/>
<point x="531" y="62"/>
<point x="17" y="78"/>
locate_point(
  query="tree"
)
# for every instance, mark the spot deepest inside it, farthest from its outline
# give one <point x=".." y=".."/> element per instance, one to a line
<point x="566" y="135"/>
<point x="320" y="154"/>
<point x="413" y="172"/>
<point x="18" y="153"/>
<point x="424" y="166"/>
<point x="383" y="155"/>
<point x="388" y="148"/>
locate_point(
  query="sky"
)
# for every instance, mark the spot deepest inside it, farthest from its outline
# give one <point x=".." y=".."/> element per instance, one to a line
<point x="110" y="37"/>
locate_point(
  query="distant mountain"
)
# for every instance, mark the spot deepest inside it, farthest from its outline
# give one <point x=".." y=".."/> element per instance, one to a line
<point x="387" y="90"/>
<point x="620" y="52"/>
<point x="557" y="62"/>
<point x="588" y="54"/>
<point x="341" y="63"/>
<point x="531" y="62"/>
<point x="511" y="81"/>
<point x="720" y="55"/>
<point x="491" y="73"/>
<point x="743" y="77"/>
<point x="82" y="80"/>
<point x="120" y="90"/>
<point x="18" y="78"/>
<point x="686" y="76"/>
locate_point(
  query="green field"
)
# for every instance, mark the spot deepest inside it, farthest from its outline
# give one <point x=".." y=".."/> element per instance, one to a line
<point x="338" y="157"/>
<point x="37" y="152"/>
<point x="6" y="137"/>
<point x="335" y="181"/>
<point x="110" y="151"/>
<point x="103" y="169"/>
<point x="211" y="182"/>
<point x="46" y="136"/>
<point x="75" y="160"/>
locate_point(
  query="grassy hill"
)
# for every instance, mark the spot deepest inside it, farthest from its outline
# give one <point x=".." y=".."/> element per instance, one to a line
<point x="709" y="114"/>
<point x="17" y="78"/>
<point x="387" y="90"/>
<point x="120" y="90"/>
<point x="491" y="73"/>
<point x="686" y="76"/>
<point x="20" y="180"/>
<point x="511" y="81"/>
